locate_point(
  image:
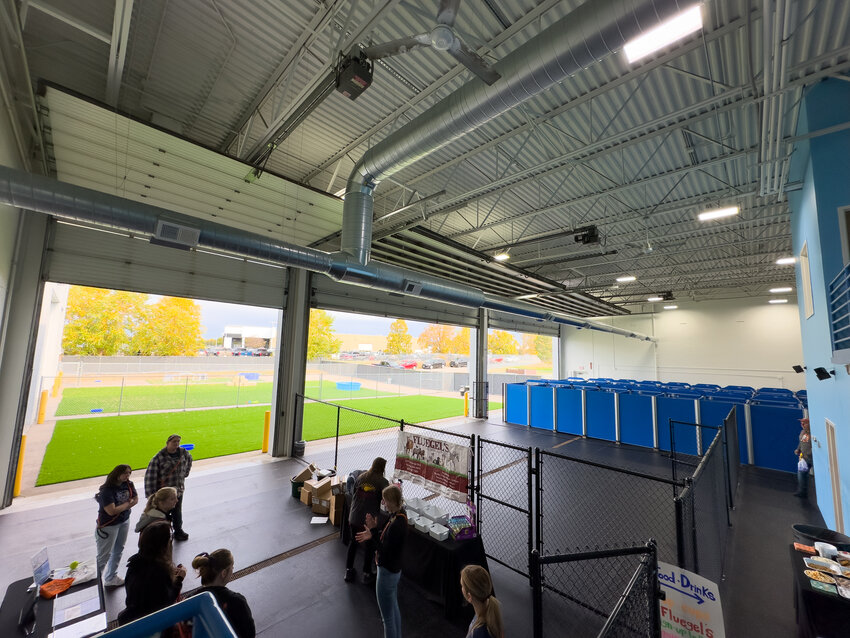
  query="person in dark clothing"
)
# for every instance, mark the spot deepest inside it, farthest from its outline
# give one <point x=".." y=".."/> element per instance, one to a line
<point x="153" y="582"/>
<point x="169" y="468"/>
<point x="366" y="500"/>
<point x="115" y="498"/>
<point x="389" y="544"/>
<point x="477" y="589"/>
<point x="804" y="451"/>
<point x="216" y="570"/>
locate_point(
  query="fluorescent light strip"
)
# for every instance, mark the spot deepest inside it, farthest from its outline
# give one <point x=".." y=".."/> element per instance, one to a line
<point x="777" y="301"/>
<point x="654" y="299"/>
<point x="776" y="291"/>
<point x="626" y="278"/>
<point x="666" y="33"/>
<point x="501" y="257"/>
<point x="716" y="214"/>
<point x="785" y="261"/>
<point x="670" y="307"/>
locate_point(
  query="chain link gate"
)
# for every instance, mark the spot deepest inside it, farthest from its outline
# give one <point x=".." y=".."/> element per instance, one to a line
<point x="504" y="491"/>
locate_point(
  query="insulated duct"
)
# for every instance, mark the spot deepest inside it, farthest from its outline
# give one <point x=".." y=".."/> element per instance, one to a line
<point x="589" y="33"/>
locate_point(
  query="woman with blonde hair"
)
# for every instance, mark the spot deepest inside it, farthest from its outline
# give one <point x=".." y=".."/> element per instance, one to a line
<point x="477" y="589"/>
<point x="216" y="570"/>
<point x="159" y="504"/>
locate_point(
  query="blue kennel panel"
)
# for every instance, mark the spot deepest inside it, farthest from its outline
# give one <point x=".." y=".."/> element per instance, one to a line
<point x="541" y="407"/>
<point x="776" y="431"/>
<point x="636" y="420"/>
<point x="679" y="410"/>
<point x="516" y="403"/>
<point x="713" y="412"/>
<point x="601" y="420"/>
<point x="569" y="414"/>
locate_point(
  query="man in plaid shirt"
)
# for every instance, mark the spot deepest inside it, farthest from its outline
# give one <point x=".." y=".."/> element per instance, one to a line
<point x="169" y="468"/>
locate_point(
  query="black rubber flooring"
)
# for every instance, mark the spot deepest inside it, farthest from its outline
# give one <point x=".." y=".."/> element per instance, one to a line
<point x="249" y="509"/>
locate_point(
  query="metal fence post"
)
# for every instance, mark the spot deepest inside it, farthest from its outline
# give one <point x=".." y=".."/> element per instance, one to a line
<point x="532" y="472"/>
<point x="336" y="441"/>
<point x="680" y="532"/>
<point x="238" y="386"/>
<point x="185" y="392"/>
<point x="121" y="396"/>
<point x="536" y="595"/>
<point x="655" y="588"/>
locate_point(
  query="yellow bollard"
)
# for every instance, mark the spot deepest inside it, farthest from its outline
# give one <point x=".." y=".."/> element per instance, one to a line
<point x="42" y="406"/>
<point x="266" y="431"/>
<point x="466" y="404"/>
<point x="17" y="490"/>
<point x="56" y="383"/>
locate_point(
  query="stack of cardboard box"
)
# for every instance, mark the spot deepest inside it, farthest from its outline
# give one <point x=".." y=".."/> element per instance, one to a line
<point x="325" y="497"/>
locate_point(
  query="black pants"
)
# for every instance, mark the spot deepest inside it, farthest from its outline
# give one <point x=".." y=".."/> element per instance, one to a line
<point x="176" y="515"/>
<point x="368" y="550"/>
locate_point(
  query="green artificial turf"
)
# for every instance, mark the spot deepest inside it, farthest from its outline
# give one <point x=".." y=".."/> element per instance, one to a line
<point x="197" y="394"/>
<point x="81" y="448"/>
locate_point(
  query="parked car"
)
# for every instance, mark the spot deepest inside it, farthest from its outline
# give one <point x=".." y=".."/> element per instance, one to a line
<point x="433" y="364"/>
<point x="240" y="352"/>
<point x="408" y="365"/>
<point x="458" y="363"/>
<point x="261" y="352"/>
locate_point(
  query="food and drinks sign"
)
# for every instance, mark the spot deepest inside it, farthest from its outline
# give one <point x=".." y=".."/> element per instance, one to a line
<point x="434" y="464"/>
<point x="692" y="606"/>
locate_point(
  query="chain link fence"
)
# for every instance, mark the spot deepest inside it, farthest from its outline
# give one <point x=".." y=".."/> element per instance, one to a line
<point x="504" y="490"/>
<point x="602" y="593"/>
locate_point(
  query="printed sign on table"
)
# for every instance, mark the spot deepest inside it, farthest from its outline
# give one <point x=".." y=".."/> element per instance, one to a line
<point x="436" y="465"/>
<point x="692" y="607"/>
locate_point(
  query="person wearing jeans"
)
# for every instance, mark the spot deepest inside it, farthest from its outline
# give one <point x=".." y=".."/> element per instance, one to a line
<point x="389" y="544"/>
<point x="115" y="498"/>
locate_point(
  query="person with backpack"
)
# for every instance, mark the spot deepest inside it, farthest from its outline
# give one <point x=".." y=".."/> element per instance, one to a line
<point x="169" y="468"/>
<point x="115" y="498"/>
<point x="366" y="499"/>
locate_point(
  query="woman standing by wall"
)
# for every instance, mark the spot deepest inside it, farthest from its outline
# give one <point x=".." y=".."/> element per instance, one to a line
<point x="115" y="498"/>
<point x="389" y="544"/>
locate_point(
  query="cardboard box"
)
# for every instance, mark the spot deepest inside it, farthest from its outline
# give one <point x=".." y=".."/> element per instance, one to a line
<point x="337" y="501"/>
<point x="321" y="506"/>
<point x="321" y="488"/>
<point x="307" y="491"/>
<point x="305" y="475"/>
<point x="337" y="486"/>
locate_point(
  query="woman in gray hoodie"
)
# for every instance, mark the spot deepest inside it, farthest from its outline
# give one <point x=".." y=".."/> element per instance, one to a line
<point x="159" y="504"/>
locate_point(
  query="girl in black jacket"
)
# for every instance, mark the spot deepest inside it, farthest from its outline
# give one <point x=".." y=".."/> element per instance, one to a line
<point x="216" y="569"/>
<point x="152" y="582"/>
<point x="389" y="544"/>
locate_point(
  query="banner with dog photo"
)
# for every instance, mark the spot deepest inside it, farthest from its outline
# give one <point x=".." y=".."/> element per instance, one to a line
<point x="434" y="464"/>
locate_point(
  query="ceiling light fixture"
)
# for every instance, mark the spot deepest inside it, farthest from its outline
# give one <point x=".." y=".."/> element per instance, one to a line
<point x="666" y="33"/>
<point x="501" y="256"/>
<point x="670" y="307"/>
<point x="718" y="213"/>
<point x="785" y="261"/>
<point x="776" y="291"/>
<point x="777" y="301"/>
<point x="626" y="278"/>
<point x="655" y="299"/>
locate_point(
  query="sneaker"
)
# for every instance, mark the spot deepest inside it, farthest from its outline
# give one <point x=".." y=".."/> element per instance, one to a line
<point x="350" y="574"/>
<point x="368" y="578"/>
<point x="115" y="582"/>
<point x="180" y="535"/>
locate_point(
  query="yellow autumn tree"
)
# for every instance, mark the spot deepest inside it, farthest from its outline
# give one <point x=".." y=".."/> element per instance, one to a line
<point x="398" y="339"/>
<point x="437" y="338"/>
<point x="321" y="341"/>
<point x="501" y="342"/>
<point x="171" y="327"/>
<point x="543" y="347"/>
<point x="101" y="322"/>
<point x="460" y="342"/>
<point x="527" y="346"/>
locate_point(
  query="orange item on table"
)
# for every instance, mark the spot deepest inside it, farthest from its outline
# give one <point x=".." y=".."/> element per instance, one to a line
<point x="806" y="549"/>
<point x="56" y="586"/>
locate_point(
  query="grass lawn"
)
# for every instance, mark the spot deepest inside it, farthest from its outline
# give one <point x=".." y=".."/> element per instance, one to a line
<point x="176" y="396"/>
<point x="81" y="448"/>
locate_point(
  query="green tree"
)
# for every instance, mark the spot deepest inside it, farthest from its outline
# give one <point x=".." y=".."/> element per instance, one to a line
<point x="398" y="340"/>
<point x="437" y="338"/>
<point x="543" y="347"/>
<point x="460" y="342"/>
<point x="171" y="327"/>
<point x="321" y="341"/>
<point x="101" y="322"/>
<point x="501" y="342"/>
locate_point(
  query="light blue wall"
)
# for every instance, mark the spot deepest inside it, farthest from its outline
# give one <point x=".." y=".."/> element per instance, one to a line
<point x="823" y="165"/>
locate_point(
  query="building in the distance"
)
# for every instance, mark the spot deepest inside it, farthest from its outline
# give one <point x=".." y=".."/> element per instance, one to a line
<point x="249" y="337"/>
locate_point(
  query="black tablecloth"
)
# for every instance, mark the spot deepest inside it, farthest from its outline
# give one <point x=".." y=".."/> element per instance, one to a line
<point x="435" y="567"/>
<point x="819" y="614"/>
<point x="15" y="599"/>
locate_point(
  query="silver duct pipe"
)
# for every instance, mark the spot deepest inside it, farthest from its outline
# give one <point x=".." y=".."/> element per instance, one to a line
<point x="76" y="203"/>
<point x="584" y="36"/>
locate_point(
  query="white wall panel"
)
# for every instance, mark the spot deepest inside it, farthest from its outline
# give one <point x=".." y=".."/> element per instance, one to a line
<point x="87" y="257"/>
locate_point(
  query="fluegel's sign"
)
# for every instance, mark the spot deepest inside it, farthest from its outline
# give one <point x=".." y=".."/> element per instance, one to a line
<point x="437" y="465"/>
<point x="692" y="606"/>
